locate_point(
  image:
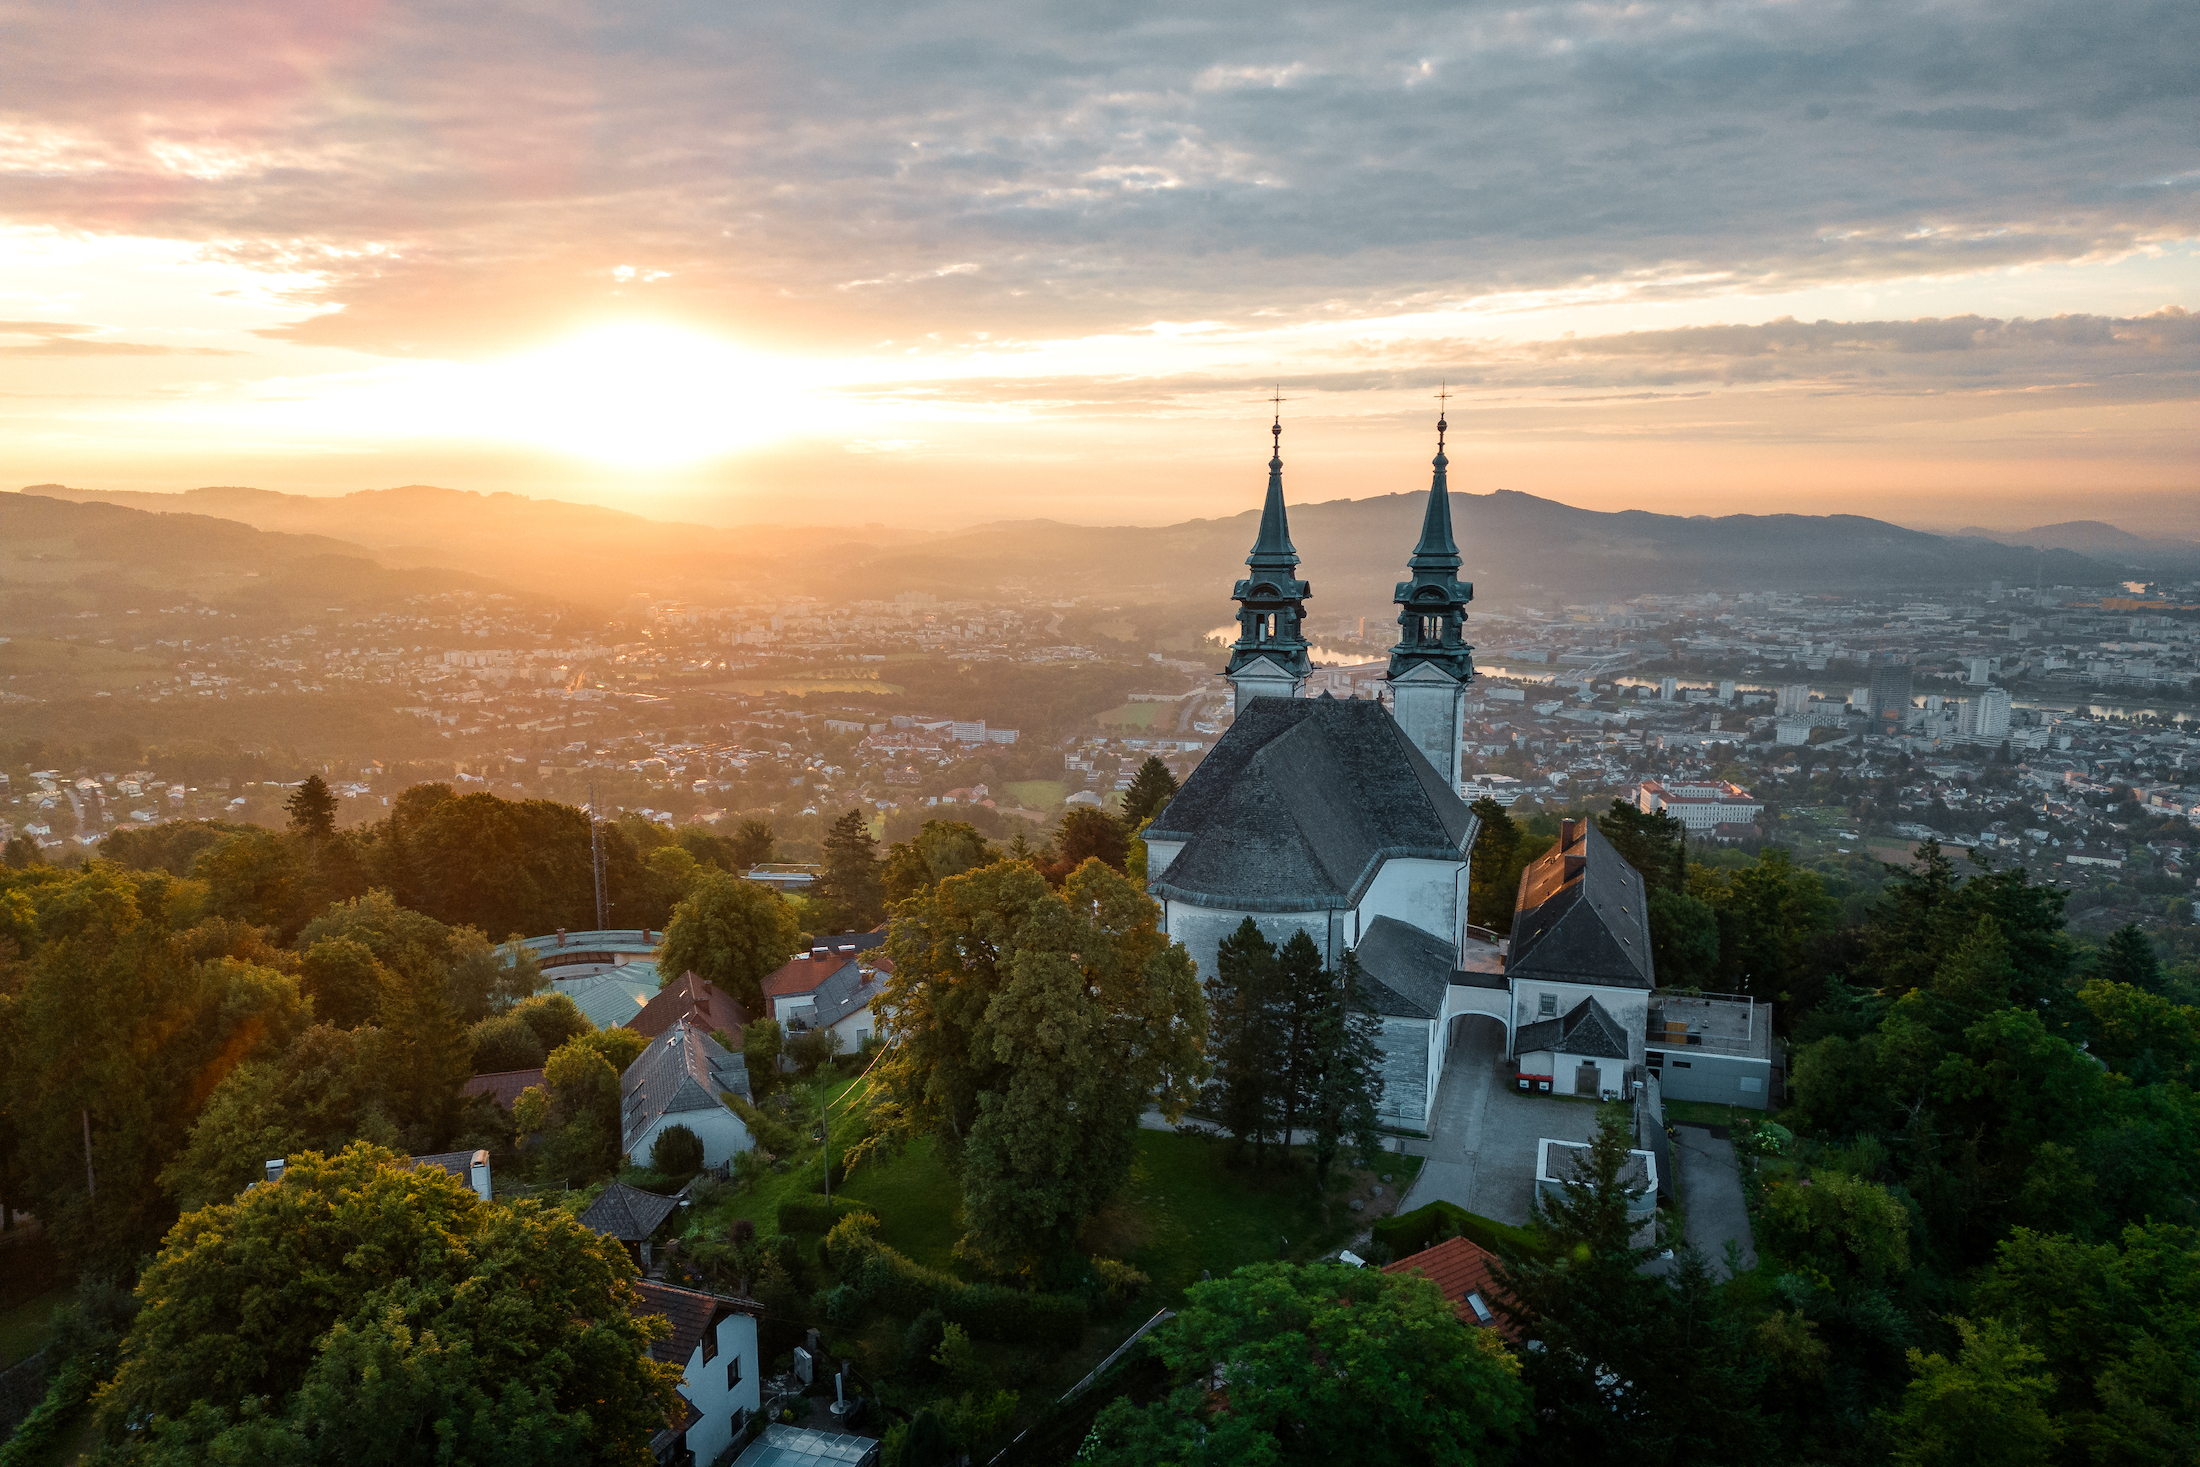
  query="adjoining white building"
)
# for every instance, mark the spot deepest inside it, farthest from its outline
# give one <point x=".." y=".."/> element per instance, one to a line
<point x="1699" y="807"/>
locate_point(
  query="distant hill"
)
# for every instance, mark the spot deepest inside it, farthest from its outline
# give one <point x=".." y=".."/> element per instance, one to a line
<point x="579" y="552"/>
<point x="2101" y="541"/>
<point x="1353" y="550"/>
<point x="64" y="559"/>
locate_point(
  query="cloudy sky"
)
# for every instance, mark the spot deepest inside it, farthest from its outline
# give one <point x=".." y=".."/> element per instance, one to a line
<point x="946" y="262"/>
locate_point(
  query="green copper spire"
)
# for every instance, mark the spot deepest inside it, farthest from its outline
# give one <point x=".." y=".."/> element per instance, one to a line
<point x="1270" y="655"/>
<point x="1432" y="612"/>
<point x="1272" y="549"/>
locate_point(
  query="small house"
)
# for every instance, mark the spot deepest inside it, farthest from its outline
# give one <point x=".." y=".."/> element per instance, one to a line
<point x="1465" y="1273"/>
<point x="713" y="1342"/>
<point x="632" y="1216"/>
<point x="681" y="1079"/>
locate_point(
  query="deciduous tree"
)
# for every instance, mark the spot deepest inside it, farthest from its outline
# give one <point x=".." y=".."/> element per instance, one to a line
<point x="1029" y="1029"/>
<point x="361" y="1313"/>
<point x="1320" y="1364"/>
<point x="730" y="932"/>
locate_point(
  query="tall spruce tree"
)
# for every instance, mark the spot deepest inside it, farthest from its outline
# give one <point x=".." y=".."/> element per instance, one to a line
<point x="1244" y="1040"/>
<point x="853" y="891"/>
<point x="312" y="809"/>
<point x="1302" y="990"/>
<point x="1347" y="1064"/>
<point x="1151" y="789"/>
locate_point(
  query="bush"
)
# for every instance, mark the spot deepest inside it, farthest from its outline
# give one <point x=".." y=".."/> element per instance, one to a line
<point x="920" y="1341"/>
<point x="1425" y="1227"/>
<point x="677" y="1152"/>
<point x="813" y="1214"/>
<point x="554" y="1018"/>
<point x="504" y="1042"/>
<point x="1119" y="1282"/>
<point x="774" y="1135"/>
<point x="811" y="1048"/>
<point x="887" y="1281"/>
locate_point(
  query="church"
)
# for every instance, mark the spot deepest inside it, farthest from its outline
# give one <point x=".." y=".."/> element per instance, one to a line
<point x="1344" y="819"/>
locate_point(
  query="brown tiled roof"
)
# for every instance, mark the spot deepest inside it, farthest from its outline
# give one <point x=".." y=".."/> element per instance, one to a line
<point x="690" y="996"/>
<point x="1459" y="1267"/>
<point x="691" y="1312"/>
<point x="804" y="974"/>
<point x="505" y="1085"/>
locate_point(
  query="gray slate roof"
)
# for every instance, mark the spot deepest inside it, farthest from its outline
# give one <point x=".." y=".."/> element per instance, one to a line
<point x="1588" y="1028"/>
<point x="1298" y="805"/>
<point x="845" y="992"/>
<point x="1583" y="916"/>
<point x="628" y="1213"/>
<point x="1406" y="969"/>
<point x="611" y="1000"/>
<point x="683" y="1070"/>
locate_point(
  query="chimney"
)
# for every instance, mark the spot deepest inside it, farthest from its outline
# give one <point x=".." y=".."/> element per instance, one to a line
<point x="274" y="1169"/>
<point x="1568" y="832"/>
<point x="561" y="937"/>
<point x="821" y="952"/>
<point x="480" y="1174"/>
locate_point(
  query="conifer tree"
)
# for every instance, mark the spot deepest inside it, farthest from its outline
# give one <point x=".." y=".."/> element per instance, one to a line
<point x="851" y="887"/>
<point x="1151" y="790"/>
<point x="312" y="809"/>
<point x="1302" y="992"/>
<point x="1348" y="1076"/>
<point x="2128" y="957"/>
<point x="1243" y="1041"/>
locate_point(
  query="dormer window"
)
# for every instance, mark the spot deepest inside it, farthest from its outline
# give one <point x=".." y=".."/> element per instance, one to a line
<point x="710" y="1342"/>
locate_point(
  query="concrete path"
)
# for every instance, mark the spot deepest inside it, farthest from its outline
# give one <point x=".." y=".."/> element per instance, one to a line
<point x="1710" y="1183"/>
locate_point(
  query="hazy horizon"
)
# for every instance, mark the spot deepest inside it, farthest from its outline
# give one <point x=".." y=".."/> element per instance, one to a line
<point x="925" y="266"/>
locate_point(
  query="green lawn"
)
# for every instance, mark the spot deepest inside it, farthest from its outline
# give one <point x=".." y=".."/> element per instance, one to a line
<point x="1706" y="1113"/>
<point x="25" y="1327"/>
<point x="1135" y="715"/>
<point x="917" y="1202"/>
<point x="1038" y="794"/>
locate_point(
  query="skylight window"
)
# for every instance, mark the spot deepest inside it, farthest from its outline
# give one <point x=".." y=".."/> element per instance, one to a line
<point x="1481" y="1308"/>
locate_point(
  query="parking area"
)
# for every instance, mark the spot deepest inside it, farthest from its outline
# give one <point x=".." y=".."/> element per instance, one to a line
<point x="1481" y="1150"/>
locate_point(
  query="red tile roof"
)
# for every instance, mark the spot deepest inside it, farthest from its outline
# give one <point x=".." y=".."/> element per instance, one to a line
<point x="505" y="1085"/>
<point x="689" y="996"/>
<point x="804" y="974"/>
<point x="691" y="1312"/>
<point x="1459" y="1267"/>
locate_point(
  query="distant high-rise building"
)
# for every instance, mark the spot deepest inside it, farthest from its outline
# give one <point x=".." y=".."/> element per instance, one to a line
<point x="1726" y="691"/>
<point x="1860" y="699"/>
<point x="1794" y="700"/>
<point x="1889" y="704"/>
<point x="1979" y="670"/>
<point x="1670" y="690"/>
<point x="1986" y="716"/>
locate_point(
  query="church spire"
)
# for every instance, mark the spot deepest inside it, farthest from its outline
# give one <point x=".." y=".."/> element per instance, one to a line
<point x="1432" y="663"/>
<point x="1269" y="659"/>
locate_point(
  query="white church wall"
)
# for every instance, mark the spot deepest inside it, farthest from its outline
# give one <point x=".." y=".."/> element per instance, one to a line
<point x="1420" y="893"/>
<point x="1202" y="929"/>
<point x="1159" y="853"/>
<point x="1409" y="1076"/>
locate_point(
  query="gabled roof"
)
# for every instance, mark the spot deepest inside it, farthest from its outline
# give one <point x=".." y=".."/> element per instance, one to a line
<point x="1587" y="1028"/>
<point x="689" y="996"/>
<point x="459" y="1164"/>
<point x="628" y="1213"/>
<point x="1406" y="970"/>
<point x="848" y="991"/>
<point x="803" y="973"/>
<point x="1299" y="804"/>
<point x="504" y="1086"/>
<point x="683" y="1070"/>
<point x="691" y="1312"/>
<point x="1582" y="916"/>
<point x="1460" y="1267"/>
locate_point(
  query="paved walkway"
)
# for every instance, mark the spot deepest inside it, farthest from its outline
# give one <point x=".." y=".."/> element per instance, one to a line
<point x="1710" y="1184"/>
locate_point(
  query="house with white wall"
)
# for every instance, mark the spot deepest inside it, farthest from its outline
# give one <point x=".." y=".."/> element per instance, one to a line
<point x="680" y="1081"/>
<point x="713" y="1341"/>
<point x="1580" y="967"/>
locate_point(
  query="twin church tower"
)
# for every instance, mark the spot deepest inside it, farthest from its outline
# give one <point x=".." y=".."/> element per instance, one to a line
<point x="1431" y="664"/>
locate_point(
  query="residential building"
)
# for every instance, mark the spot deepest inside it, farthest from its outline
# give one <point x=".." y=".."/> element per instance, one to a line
<point x="714" y="1344"/>
<point x="681" y="1079"/>
<point x="1580" y="970"/>
<point x="690" y="997"/>
<point x="632" y="1216"/>
<point x="1465" y="1273"/>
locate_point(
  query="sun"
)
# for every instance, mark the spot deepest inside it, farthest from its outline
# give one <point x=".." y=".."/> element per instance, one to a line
<point x="643" y="394"/>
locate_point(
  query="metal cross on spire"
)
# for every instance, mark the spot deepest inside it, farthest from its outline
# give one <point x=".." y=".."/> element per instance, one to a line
<point x="1443" y="401"/>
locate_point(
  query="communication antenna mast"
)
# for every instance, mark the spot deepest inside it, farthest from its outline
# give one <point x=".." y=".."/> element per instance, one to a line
<point x="595" y="854"/>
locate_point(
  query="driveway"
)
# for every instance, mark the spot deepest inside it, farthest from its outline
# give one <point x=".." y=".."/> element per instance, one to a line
<point x="1480" y="1154"/>
<point x="1710" y="1184"/>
